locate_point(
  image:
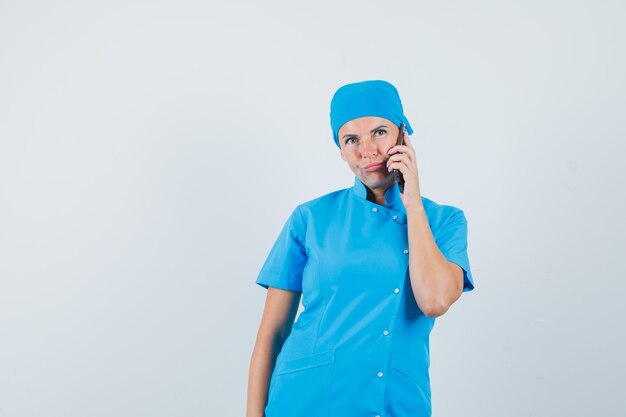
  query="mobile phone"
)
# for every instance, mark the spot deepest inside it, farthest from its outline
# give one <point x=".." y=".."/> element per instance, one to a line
<point x="396" y="172"/>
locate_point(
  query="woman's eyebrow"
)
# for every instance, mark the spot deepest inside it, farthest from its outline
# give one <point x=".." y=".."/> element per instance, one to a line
<point x="371" y="131"/>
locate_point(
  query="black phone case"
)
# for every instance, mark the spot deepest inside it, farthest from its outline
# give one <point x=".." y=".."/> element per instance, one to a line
<point x="397" y="173"/>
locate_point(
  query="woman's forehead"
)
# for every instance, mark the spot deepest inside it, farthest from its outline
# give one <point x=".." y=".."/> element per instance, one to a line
<point x="365" y="122"/>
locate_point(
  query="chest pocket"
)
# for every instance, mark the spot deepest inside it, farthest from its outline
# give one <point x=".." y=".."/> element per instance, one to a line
<point x="301" y="386"/>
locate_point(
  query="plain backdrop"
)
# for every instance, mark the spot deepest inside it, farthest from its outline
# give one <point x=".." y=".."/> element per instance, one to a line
<point x="151" y="151"/>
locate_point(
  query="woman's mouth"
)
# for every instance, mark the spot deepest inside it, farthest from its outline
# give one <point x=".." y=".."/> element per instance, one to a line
<point x="375" y="166"/>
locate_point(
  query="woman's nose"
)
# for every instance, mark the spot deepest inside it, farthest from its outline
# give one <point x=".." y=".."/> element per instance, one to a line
<point x="369" y="147"/>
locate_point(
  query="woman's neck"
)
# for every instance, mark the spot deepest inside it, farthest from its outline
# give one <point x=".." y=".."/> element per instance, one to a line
<point x="377" y="197"/>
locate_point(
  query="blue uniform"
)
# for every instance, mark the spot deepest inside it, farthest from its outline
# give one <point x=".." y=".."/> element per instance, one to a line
<point x="360" y="347"/>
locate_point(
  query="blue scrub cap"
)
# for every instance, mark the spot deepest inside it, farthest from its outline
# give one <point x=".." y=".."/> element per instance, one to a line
<point x="366" y="98"/>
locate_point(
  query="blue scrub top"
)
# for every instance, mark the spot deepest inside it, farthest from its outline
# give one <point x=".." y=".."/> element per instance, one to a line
<point x="360" y="347"/>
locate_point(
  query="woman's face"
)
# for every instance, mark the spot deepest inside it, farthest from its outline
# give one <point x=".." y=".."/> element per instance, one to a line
<point x="364" y="144"/>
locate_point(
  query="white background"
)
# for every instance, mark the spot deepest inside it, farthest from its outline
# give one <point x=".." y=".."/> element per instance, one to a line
<point x="151" y="151"/>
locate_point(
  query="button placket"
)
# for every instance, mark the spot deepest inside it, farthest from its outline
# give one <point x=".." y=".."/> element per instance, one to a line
<point x="398" y="218"/>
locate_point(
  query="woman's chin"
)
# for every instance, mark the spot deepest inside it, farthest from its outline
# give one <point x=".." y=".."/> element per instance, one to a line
<point x="377" y="178"/>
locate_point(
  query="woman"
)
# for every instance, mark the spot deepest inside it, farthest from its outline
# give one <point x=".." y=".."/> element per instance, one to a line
<point x="374" y="267"/>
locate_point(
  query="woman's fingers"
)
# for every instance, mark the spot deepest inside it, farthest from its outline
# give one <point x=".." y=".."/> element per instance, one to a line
<point x="400" y="149"/>
<point x="399" y="160"/>
<point x="402" y="156"/>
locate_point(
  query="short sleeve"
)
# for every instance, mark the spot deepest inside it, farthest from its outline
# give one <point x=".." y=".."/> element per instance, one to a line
<point x="286" y="260"/>
<point x="452" y="242"/>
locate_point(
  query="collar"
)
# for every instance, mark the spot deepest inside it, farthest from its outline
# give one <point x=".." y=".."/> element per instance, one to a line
<point x="392" y="195"/>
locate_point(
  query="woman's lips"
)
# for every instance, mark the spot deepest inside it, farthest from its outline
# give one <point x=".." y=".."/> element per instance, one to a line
<point x="374" y="166"/>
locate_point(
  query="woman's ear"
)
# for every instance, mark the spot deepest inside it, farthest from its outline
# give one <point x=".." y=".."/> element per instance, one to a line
<point x="341" y="153"/>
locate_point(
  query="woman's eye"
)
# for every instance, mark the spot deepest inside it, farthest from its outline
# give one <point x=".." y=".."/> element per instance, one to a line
<point x="348" y="140"/>
<point x="382" y="130"/>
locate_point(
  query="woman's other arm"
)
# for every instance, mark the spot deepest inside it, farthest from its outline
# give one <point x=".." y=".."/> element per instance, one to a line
<point x="279" y="313"/>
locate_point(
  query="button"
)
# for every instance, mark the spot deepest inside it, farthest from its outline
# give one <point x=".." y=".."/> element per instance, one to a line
<point x="380" y="374"/>
<point x="405" y="251"/>
<point x="377" y="415"/>
<point x="394" y="217"/>
<point x="396" y="290"/>
<point x="385" y="332"/>
<point x="374" y="209"/>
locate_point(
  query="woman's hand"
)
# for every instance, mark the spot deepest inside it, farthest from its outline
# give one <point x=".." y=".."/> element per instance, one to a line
<point x="403" y="159"/>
